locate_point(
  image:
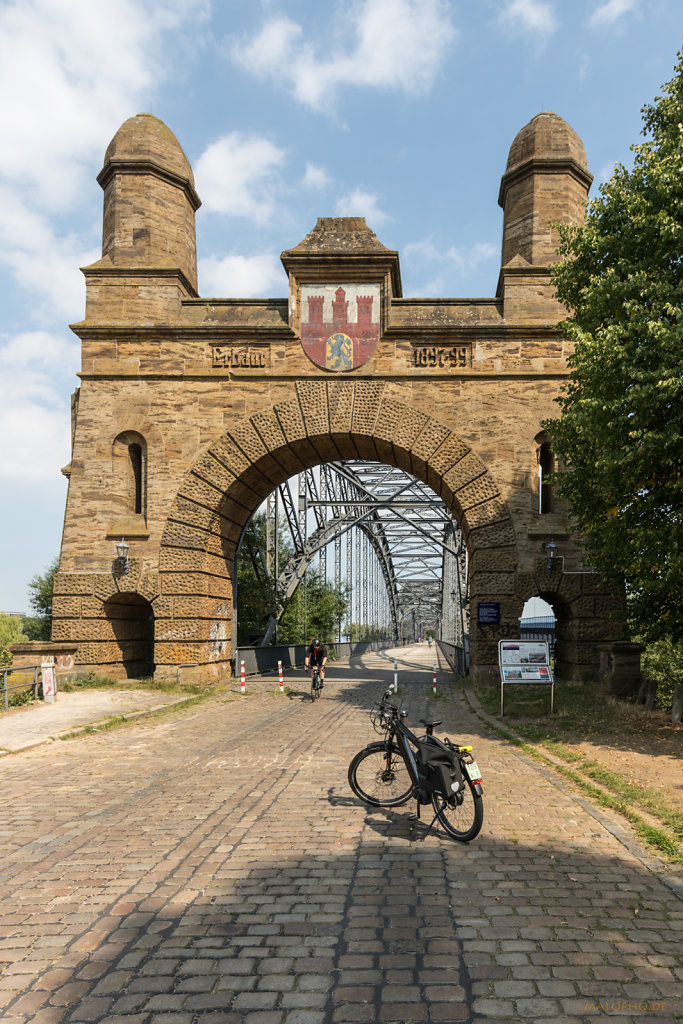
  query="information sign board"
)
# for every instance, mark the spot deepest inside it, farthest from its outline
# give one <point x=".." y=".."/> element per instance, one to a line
<point x="488" y="613"/>
<point x="525" y="661"/>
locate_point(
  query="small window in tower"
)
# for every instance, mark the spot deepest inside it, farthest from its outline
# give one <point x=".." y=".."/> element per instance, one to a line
<point x="135" y="456"/>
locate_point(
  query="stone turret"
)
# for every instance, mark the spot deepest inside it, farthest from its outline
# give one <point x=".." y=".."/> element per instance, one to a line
<point x="546" y="180"/>
<point x="148" y="228"/>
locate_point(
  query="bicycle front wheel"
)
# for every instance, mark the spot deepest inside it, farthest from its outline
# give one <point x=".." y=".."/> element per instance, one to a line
<point x="461" y="821"/>
<point x="314" y="690"/>
<point x="379" y="776"/>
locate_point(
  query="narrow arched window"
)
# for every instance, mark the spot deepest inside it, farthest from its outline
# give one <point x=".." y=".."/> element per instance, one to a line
<point x="128" y="485"/>
<point x="135" y="456"/>
<point x="546" y="465"/>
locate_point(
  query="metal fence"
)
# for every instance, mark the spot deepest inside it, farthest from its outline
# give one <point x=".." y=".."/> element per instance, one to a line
<point x="455" y="656"/>
<point x="26" y="669"/>
<point x="264" y="659"/>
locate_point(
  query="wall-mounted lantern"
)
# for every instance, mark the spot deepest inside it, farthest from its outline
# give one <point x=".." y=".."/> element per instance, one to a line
<point x="551" y="550"/>
<point x="122" y="550"/>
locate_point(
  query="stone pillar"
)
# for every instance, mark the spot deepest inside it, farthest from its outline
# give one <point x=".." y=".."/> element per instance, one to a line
<point x="620" y="666"/>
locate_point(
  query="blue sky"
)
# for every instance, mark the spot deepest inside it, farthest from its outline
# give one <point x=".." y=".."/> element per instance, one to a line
<point x="399" y="110"/>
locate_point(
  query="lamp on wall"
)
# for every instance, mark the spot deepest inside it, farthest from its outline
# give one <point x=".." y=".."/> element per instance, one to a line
<point x="122" y="550"/>
<point x="551" y="550"/>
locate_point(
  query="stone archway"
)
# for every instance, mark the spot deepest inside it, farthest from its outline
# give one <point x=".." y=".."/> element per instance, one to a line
<point x="325" y="421"/>
<point x="131" y="620"/>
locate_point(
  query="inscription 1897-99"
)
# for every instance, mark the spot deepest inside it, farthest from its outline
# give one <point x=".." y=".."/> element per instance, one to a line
<point x="451" y="357"/>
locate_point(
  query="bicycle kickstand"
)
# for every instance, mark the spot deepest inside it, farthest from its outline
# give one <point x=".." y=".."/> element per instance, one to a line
<point x="416" y="817"/>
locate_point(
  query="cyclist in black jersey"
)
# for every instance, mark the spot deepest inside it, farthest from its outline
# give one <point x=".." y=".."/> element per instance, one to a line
<point x="316" y="656"/>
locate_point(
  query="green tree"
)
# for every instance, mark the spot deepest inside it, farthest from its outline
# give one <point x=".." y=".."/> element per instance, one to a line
<point x="315" y="609"/>
<point x="10" y="633"/>
<point x="619" y="434"/>
<point x="256" y="596"/>
<point x="39" y="626"/>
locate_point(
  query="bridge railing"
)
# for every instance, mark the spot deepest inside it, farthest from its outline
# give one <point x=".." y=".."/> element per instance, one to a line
<point x="264" y="659"/>
<point x="24" y="685"/>
<point x="455" y="656"/>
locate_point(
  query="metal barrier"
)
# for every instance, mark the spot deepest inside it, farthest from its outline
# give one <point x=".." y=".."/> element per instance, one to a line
<point x="36" y="669"/>
<point x="455" y="656"/>
<point x="258" y="660"/>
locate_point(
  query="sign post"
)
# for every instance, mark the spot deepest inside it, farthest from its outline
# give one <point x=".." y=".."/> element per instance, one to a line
<point x="525" y="661"/>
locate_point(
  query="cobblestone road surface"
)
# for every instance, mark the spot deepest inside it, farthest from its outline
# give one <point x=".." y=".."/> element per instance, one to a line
<point x="214" y="868"/>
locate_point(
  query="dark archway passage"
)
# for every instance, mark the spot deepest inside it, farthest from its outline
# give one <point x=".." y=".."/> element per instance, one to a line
<point x="131" y="620"/>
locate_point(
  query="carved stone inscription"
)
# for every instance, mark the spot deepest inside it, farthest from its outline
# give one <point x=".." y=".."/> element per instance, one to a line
<point x="447" y="357"/>
<point x="242" y="356"/>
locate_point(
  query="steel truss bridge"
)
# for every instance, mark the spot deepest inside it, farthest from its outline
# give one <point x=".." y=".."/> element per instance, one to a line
<point x="380" y="532"/>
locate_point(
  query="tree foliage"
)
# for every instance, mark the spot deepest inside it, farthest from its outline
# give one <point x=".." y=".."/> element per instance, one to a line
<point x="315" y="609"/>
<point x="10" y="633"/>
<point x="39" y="626"/>
<point x="619" y="434"/>
<point x="256" y="594"/>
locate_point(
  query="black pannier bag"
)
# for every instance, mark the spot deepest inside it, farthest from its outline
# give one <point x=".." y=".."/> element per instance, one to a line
<point x="443" y="773"/>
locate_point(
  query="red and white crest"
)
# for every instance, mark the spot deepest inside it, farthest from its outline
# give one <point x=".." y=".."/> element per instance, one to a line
<point x="340" y="324"/>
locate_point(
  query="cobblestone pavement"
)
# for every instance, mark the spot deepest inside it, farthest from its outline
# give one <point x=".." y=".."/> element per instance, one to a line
<point x="21" y="728"/>
<point x="214" y="868"/>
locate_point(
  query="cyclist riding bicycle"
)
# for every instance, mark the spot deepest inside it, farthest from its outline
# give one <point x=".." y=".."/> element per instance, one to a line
<point x="316" y="655"/>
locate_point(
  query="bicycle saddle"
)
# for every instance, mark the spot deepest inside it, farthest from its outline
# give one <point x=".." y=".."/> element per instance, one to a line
<point x="429" y="726"/>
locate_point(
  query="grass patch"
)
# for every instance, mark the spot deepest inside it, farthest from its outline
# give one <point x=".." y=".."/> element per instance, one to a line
<point x="585" y="713"/>
<point x="439" y="696"/>
<point x="92" y="681"/>
<point x="116" y="721"/>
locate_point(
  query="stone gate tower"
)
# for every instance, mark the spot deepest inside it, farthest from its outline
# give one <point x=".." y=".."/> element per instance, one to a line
<point x="192" y="410"/>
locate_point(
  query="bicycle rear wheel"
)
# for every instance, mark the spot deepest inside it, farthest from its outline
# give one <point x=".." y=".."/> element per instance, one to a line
<point x="379" y="776"/>
<point x="460" y="821"/>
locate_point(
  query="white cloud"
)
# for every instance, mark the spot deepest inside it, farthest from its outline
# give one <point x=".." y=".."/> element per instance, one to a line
<point x="533" y="16"/>
<point x="607" y="13"/>
<point x="236" y="276"/>
<point x="362" y="204"/>
<point x="386" y="44"/>
<point x="316" y="177"/>
<point x="70" y="73"/>
<point x="34" y="422"/>
<point x="423" y="260"/>
<point x="237" y="175"/>
<point x="41" y="261"/>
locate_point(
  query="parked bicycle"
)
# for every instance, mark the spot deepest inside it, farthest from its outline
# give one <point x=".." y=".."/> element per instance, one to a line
<point x="316" y="684"/>
<point x="402" y="765"/>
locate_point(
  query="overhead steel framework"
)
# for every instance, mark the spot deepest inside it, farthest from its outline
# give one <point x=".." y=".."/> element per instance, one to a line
<point x="393" y="543"/>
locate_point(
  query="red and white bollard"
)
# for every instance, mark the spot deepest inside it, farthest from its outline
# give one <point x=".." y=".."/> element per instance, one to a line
<point x="282" y="685"/>
<point x="395" y="677"/>
<point x="242" y="685"/>
<point x="434" y="678"/>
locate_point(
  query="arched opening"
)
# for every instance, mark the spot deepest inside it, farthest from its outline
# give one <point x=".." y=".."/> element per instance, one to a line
<point x="128" y="485"/>
<point x="352" y="551"/>
<point x="327" y="421"/>
<point x="549" y="616"/>
<point x="131" y="622"/>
